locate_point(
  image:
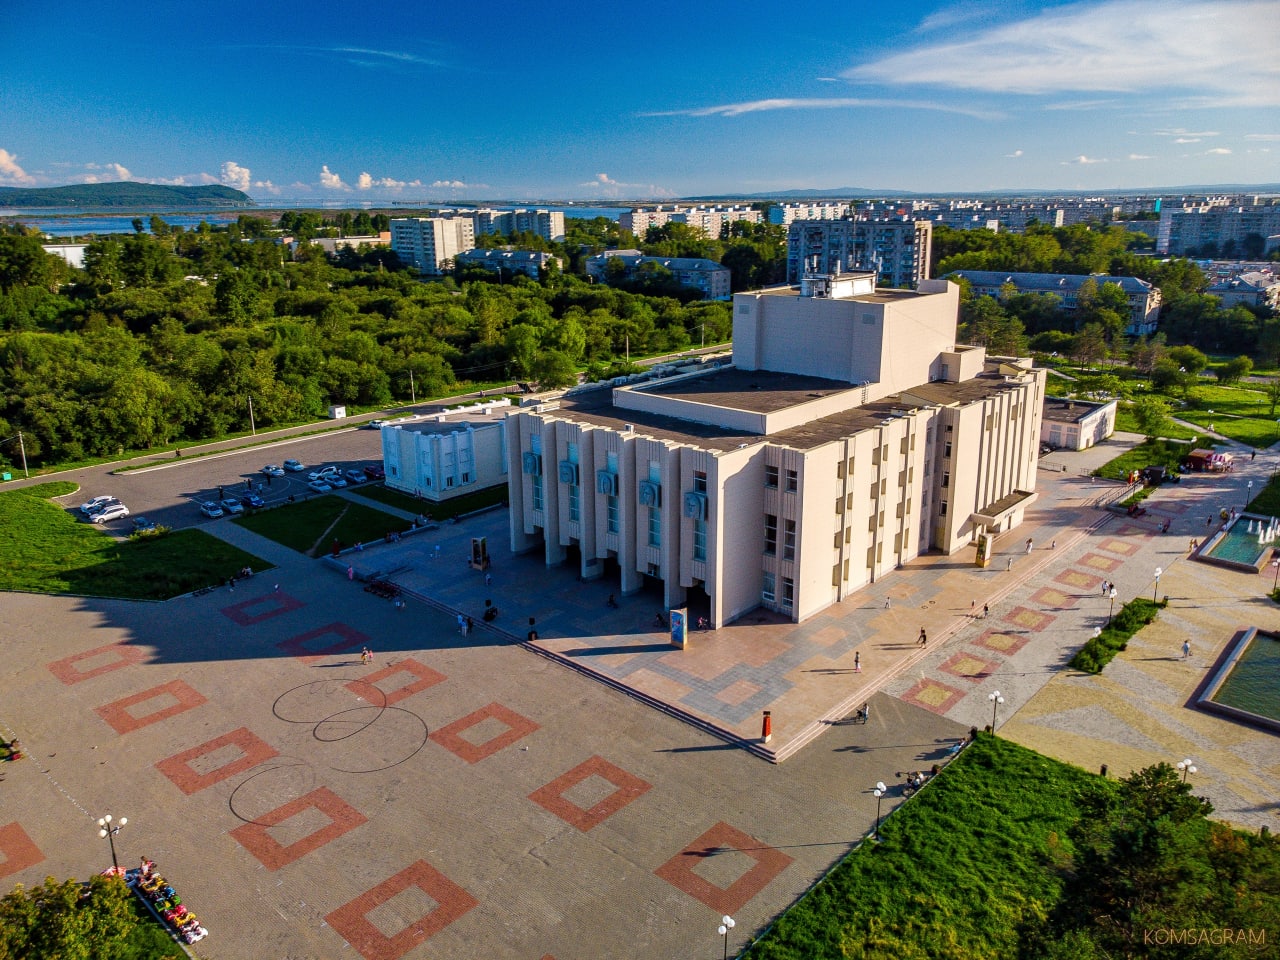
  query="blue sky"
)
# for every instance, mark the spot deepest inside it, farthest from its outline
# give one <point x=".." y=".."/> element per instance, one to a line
<point x="411" y="99"/>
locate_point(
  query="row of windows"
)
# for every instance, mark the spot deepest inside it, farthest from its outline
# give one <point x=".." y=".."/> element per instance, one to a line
<point x="771" y="477"/>
<point x="771" y="537"/>
<point x="769" y="590"/>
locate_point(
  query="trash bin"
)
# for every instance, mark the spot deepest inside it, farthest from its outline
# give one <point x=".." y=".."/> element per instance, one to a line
<point x="6" y="476"/>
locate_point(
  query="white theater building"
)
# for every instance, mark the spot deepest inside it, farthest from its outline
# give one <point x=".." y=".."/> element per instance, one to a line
<point x="849" y="435"/>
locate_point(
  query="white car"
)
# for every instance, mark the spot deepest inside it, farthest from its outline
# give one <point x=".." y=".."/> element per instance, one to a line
<point x="319" y="486"/>
<point x="294" y="466"/>
<point x="96" y="504"/>
<point x="323" y="473"/>
<point x="271" y="470"/>
<point x="114" y="511"/>
<point x="211" y="509"/>
<point x="231" y="506"/>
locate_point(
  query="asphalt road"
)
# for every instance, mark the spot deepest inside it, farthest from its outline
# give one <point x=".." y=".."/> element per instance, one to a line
<point x="170" y="492"/>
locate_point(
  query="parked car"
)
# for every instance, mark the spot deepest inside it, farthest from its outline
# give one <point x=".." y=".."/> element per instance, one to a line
<point x="374" y="472"/>
<point x="294" y="466"/>
<point x="231" y="505"/>
<point x="375" y="424"/>
<point x="323" y="473"/>
<point x="355" y="476"/>
<point x="114" y="511"/>
<point x="319" y="486"/>
<point x="253" y="500"/>
<point x="143" y="525"/>
<point x="97" y="503"/>
<point x="211" y="509"/>
<point x="272" y="470"/>
<point x="335" y="480"/>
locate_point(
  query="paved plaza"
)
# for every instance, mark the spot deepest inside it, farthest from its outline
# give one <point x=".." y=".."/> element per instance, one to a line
<point x="464" y="797"/>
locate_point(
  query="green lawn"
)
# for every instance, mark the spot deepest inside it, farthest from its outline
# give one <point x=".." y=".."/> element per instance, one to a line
<point x="1126" y="423"/>
<point x="48" y="550"/>
<point x="1241" y="413"/>
<point x="311" y="526"/>
<point x="438" y="511"/>
<point x="958" y="871"/>
<point x="1267" y="502"/>
<point x="1146" y="454"/>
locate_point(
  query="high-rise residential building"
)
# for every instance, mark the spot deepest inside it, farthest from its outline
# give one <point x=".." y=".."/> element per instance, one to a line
<point x="548" y="224"/>
<point x="782" y="214"/>
<point x="1144" y="299"/>
<point x="1214" y="229"/>
<point x="898" y="250"/>
<point x="430" y="244"/>
<point x="712" y="221"/>
<point x="849" y="435"/>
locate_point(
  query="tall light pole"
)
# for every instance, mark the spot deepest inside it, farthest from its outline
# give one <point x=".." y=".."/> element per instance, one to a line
<point x="1156" y="586"/>
<point x="996" y="700"/>
<point x="23" y="447"/>
<point x="1113" y="604"/>
<point x="726" y="924"/>
<point x="252" y="427"/>
<point x="108" y="831"/>
<point x="1276" y="563"/>
<point x="878" y="793"/>
<point x="1186" y="767"/>
<point x="1248" y="494"/>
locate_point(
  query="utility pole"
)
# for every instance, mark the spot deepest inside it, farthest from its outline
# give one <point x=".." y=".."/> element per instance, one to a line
<point x="252" y="428"/>
<point x="23" y="447"/>
<point x="413" y="392"/>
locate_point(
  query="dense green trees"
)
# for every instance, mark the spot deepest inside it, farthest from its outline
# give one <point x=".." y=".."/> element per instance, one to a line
<point x="165" y="336"/>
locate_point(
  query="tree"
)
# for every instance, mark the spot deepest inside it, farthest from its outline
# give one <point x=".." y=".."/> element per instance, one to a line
<point x="66" y="921"/>
<point x="1273" y="395"/>
<point x="1191" y="360"/>
<point x="23" y="263"/>
<point x="1233" y="371"/>
<point x="1152" y="415"/>
<point x="1089" y="346"/>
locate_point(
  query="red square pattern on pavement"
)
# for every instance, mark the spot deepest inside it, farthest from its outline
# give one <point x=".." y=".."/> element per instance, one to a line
<point x="120" y="718"/>
<point x="300" y="646"/>
<point x="969" y="666"/>
<point x="351" y="920"/>
<point x="253" y="751"/>
<point x="551" y="797"/>
<point x="678" y="871"/>
<point x="267" y="606"/>
<point x="933" y="695"/>
<point x="451" y="739"/>
<point x="1029" y="619"/>
<point x="116" y="655"/>
<point x="18" y="849"/>
<point x="1001" y="642"/>
<point x="426" y="678"/>
<point x="256" y="838"/>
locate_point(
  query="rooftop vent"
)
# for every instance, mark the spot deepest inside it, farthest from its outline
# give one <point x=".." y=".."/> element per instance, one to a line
<point x="628" y="428"/>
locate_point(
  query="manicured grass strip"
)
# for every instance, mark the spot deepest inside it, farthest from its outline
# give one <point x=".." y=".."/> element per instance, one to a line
<point x="300" y="525"/>
<point x="1149" y="453"/>
<point x="1267" y="502"/>
<point x="47" y="550"/>
<point x="439" y="511"/>
<point x="959" y="869"/>
<point x="1100" y="650"/>
<point x="1127" y="423"/>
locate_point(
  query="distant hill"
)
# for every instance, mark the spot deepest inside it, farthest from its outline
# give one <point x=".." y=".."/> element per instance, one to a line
<point x="125" y="193"/>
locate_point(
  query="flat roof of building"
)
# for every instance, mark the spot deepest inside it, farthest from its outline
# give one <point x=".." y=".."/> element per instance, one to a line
<point x="1060" y="410"/>
<point x="880" y="295"/>
<point x="756" y="391"/>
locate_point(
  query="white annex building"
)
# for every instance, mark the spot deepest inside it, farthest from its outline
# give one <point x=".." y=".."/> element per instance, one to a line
<point x="438" y="458"/>
<point x="849" y="435"/>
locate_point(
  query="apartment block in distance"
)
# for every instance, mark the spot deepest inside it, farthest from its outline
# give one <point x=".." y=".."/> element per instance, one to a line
<point x="697" y="273"/>
<point x="429" y="244"/>
<point x="896" y="249"/>
<point x="849" y="435"/>
<point x="1144" y="299"/>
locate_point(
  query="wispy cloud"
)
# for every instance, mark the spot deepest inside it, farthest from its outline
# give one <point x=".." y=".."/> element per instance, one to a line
<point x="605" y="186"/>
<point x="449" y="184"/>
<point x="1218" y="152"/>
<point x="1187" y="140"/>
<point x="366" y="181"/>
<point x="1270" y="137"/>
<point x="816" y="103"/>
<point x="1082" y="161"/>
<point x="1013" y="156"/>
<point x="361" y="56"/>
<point x="10" y="173"/>
<point x="1184" y="132"/>
<point x="110" y="172"/>
<point x="1139" y="156"/>
<point x="1125" y="46"/>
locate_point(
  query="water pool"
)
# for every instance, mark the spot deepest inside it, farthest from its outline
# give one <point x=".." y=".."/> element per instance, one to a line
<point x="1237" y="544"/>
<point x="1246" y="686"/>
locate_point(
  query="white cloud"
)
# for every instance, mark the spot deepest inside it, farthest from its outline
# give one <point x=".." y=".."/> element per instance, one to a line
<point x="450" y="185"/>
<point x="1184" y="132"/>
<point x="828" y="79"/>
<point x="234" y="175"/>
<point x="605" y="186"/>
<point x="266" y="185"/>
<point x="603" y="179"/>
<point x="1130" y="46"/>
<point x="10" y="173"/>
<point x="1139" y="156"/>
<point x="1252" y="136"/>
<point x="110" y="172"/>
<point x="1187" y="140"/>
<point x="1014" y="156"/>
<point x="331" y="181"/>
<point x="367" y="181"/>
<point x="1218" y="151"/>
<point x="814" y="103"/>
<point x="1082" y="160"/>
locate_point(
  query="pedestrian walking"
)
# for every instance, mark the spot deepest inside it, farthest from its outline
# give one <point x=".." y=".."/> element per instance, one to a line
<point x="1186" y="649"/>
<point x="972" y="604"/>
<point x="984" y="611"/>
<point x="886" y="603"/>
<point x="923" y="638"/>
<point x="1253" y="455"/>
<point x="1010" y="565"/>
<point x="462" y="625"/>
<point x="1053" y="545"/>
<point x="857" y="662"/>
<point x="488" y="580"/>
<point x="351" y="572"/>
<point x="471" y="625"/>
<point x="1105" y="587"/>
<point x="366" y="656"/>
<point x="276" y="588"/>
<point x="1029" y="544"/>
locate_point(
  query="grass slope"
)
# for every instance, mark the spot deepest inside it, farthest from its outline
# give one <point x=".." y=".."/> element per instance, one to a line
<point x="958" y="870"/>
<point x="47" y="550"/>
<point x="311" y="526"/>
<point x="454" y="507"/>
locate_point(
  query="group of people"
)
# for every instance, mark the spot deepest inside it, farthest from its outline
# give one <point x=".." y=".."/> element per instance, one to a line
<point x="166" y="902"/>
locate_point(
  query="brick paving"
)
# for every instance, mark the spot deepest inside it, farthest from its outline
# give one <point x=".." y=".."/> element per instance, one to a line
<point x="464" y="797"/>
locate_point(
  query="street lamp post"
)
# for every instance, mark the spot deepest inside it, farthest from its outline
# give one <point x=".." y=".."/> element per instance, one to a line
<point x="108" y="831"/>
<point x="1113" y="604"/>
<point x="996" y="700"/>
<point x="878" y="792"/>
<point x="1248" y="494"/>
<point x="726" y="924"/>
<point x="1186" y="767"/>
<point x="1156" y="587"/>
<point x="1276" y="563"/>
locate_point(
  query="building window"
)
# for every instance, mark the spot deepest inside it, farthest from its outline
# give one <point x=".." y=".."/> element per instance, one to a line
<point x="575" y="505"/>
<point x="537" y="491"/>
<point x="789" y="540"/>
<point x="611" y="512"/>
<point x="793" y="481"/>
<point x="768" y="586"/>
<point x="946" y="479"/>
<point x="770" y="534"/>
<point x="699" y="482"/>
<point x="466" y="478"/>
<point x="771" y="477"/>
<point x="788" y="593"/>
<point x="655" y="527"/>
<point x="700" y="539"/>
<point x="942" y="508"/>
<point x="946" y="449"/>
